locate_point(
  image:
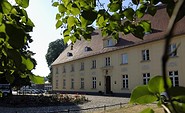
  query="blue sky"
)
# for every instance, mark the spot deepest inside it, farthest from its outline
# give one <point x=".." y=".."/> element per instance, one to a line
<point x="43" y="15"/>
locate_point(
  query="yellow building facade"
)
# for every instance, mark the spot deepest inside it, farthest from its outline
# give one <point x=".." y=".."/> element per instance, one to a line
<point x="108" y="66"/>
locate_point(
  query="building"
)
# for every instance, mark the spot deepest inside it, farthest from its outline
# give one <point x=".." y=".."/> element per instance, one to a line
<point x="105" y="65"/>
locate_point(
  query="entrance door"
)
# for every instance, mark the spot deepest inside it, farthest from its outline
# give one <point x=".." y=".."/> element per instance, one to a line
<point x="108" y="84"/>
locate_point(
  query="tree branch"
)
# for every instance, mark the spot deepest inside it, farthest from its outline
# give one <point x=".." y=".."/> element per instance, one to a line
<point x="168" y="38"/>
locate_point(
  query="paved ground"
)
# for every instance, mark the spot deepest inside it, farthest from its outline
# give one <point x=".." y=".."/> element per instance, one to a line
<point x="95" y="101"/>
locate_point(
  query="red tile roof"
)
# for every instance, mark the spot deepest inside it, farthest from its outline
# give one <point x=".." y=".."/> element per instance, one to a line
<point x="159" y="24"/>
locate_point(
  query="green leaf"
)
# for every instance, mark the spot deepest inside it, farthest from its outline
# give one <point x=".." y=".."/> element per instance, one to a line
<point x="23" y="3"/>
<point x="152" y="10"/>
<point x="142" y="95"/>
<point x="55" y="4"/>
<point x="1" y="18"/>
<point x="84" y="22"/>
<point x="138" y="31"/>
<point x="71" y="21"/>
<point x="30" y="23"/>
<point x="58" y="16"/>
<point x="6" y="6"/>
<point x="177" y="91"/>
<point x="116" y="17"/>
<point x="101" y="21"/>
<point x="136" y="2"/>
<point x="28" y="63"/>
<point x="156" y="84"/>
<point x="114" y="6"/>
<point x="139" y="13"/>
<point x="36" y="79"/>
<point x="66" y="39"/>
<point x="75" y="10"/>
<point x="16" y="56"/>
<point x="66" y="32"/>
<point x="58" y="24"/>
<point x="66" y="2"/>
<point x="146" y="25"/>
<point x="129" y="12"/>
<point x="61" y="8"/>
<point x="179" y="106"/>
<point x="147" y="110"/>
<point x="16" y="36"/>
<point x="89" y="15"/>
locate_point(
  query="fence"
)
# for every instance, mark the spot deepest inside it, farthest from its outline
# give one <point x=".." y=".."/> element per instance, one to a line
<point x="86" y="109"/>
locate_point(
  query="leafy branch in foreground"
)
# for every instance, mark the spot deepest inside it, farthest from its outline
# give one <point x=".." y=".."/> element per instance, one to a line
<point x="155" y="92"/>
<point x="15" y="58"/>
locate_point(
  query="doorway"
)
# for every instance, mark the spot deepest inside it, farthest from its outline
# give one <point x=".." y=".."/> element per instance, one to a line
<point x="108" y="84"/>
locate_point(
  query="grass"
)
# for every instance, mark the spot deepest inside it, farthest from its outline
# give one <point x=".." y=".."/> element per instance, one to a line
<point x="132" y="109"/>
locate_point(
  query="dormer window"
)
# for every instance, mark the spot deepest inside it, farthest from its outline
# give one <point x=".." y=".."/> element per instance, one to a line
<point x="87" y="49"/>
<point x="109" y="42"/>
<point x="69" y="54"/>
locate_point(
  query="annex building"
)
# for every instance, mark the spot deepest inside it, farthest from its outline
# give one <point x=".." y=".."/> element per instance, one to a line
<point x="105" y="65"/>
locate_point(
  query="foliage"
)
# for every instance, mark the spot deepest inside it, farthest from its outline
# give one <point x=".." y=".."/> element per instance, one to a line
<point x="15" y="25"/>
<point x="55" y="48"/>
<point x="78" y="17"/>
<point x="155" y="91"/>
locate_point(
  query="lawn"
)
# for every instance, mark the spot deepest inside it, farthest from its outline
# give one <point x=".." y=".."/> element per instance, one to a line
<point x="132" y="109"/>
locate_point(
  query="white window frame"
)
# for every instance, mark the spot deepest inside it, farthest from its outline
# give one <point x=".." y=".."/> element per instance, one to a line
<point x="82" y="83"/>
<point x="145" y="55"/>
<point x="109" y="42"/>
<point x="125" y="81"/>
<point x="107" y="61"/>
<point x="174" y="76"/>
<point x="125" y="58"/>
<point x="172" y="48"/>
<point x="94" y="82"/>
<point x="146" y="78"/>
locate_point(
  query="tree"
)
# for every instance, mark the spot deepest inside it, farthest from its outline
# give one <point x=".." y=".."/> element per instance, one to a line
<point x="77" y="18"/>
<point x="15" y="58"/>
<point x="55" y="48"/>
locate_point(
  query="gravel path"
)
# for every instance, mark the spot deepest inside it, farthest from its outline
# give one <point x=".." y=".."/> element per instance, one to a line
<point x="95" y="101"/>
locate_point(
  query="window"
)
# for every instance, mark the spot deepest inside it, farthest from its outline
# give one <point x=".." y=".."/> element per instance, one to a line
<point x="82" y="83"/>
<point x="72" y="83"/>
<point x="125" y="81"/>
<point x="107" y="61"/>
<point x="56" y="70"/>
<point x="146" y="78"/>
<point x="64" y="69"/>
<point x="124" y="58"/>
<point x="109" y="42"/>
<point x="72" y="67"/>
<point x="174" y="78"/>
<point x="93" y="64"/>
<point x="64" y="83"/>
<point x="172" y="50"/>
<point x="69" y="54"/>
<point x="56" y="84"/>
<point x="82" y="66"/>
<point x="94" y="82"/>
<point x="87" y="49"/>
<point x="145" y="55"/>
